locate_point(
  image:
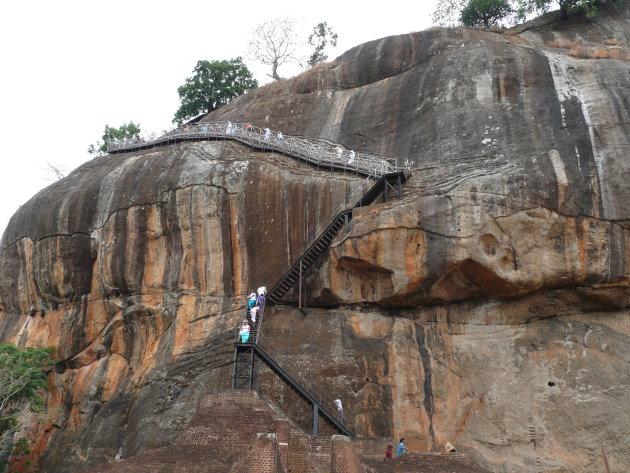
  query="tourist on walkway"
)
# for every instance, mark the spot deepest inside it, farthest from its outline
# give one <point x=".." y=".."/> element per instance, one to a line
<point x="279" y="138"/>
<point x="251" y="300"/>
<point x="244" y="331"/>
<point x="267" y="135"/>
<point x="389" y="452"/>
<point x="351" y="160"/>
<point x="248" y="128"/>
<point x="228" y="128"/>
<point x="402" y="448"/>
<point x="339" y="151"/>
<point x="340" y="413"/>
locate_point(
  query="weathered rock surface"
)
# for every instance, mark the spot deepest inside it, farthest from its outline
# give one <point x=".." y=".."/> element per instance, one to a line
<point x="488" y="307"/>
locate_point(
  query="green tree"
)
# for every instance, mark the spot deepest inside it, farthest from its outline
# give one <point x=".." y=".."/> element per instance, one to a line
<point x="320" y="37"/>
<point x="213" y="85"/>
<point x="447" y="11"/>
<point x="111" y="134"/>
<point x="22" y="378"/>
<point x="484" y="12"/>
<point x="567" y="7"/>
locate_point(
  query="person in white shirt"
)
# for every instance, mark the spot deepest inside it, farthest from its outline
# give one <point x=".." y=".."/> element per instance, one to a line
<point x="244" y="331"/>
<point x="340" y="413"/>
<point x="253" y="313"/>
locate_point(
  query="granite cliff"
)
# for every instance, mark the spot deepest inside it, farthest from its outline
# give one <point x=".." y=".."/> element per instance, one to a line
<point x="488" y="307"/>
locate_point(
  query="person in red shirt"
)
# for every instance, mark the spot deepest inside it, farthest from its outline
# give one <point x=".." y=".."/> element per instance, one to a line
<point x="389" y="452"/>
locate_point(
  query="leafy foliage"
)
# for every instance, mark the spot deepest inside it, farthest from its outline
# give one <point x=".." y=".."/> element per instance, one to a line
<point x="567" y="7"/>
<point x="320" y="37"/>
<point x="448" y="11"/>
<point x="111" y="134"/>
<point x="274" y="43"/>
<point x="22" y="378"/>
<point x="484" y="12"/>
<point x="213" y="85"/>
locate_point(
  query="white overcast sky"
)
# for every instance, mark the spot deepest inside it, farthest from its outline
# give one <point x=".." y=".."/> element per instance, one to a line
<point x="70" y="67"/>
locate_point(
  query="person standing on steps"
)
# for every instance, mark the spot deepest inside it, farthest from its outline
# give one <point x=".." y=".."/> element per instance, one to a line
<point x="260" y="301"/>
<point x="340" y="413"/>
<point x="389" y="452"/>
<point x="228" y="128"/>
<point x="267" y="135"/>
<point x="253" y="313"/>
<point x="244" y="331"/>
<point x="279" y="138"/>
<point x="251" y="300"/>
<point x="339" y="151"/>
<point x="402" y="448"/>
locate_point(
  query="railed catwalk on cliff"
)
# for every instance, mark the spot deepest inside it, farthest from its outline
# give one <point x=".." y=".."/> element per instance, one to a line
<point x="314" y="152"/>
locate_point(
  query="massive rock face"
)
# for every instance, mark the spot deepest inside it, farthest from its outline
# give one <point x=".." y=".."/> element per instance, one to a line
<point x="487" y="307"/>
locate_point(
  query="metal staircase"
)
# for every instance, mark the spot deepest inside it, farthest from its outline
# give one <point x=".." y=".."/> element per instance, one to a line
<point x="385" y="185"/>
<point x="247" y="360"/>
<point x="249" y="356"/>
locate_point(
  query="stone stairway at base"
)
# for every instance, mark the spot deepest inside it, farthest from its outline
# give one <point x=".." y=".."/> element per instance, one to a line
<point x="424" y="462"/>
<point x="239" y="432"/>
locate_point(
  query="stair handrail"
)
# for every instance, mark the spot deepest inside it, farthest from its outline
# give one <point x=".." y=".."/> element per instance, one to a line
<point x="313" y="389"/>
<point x="321" y="229"/>
<point x="310" y="247"/>
<point x="324" y="400"/>
<point x="319" y="153"/>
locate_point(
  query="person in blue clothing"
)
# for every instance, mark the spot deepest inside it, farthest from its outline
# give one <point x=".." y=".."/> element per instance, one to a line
<point x="244" y="331"/>
<point x="402" y="448"/>
<point x="251" y="300"/>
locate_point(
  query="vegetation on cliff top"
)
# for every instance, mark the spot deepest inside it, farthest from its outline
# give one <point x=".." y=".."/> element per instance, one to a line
<point x="213" y="84"/>
<point x="276" y="42"/>
<point x="112" y="134"/>
<point x="489" y="12"/>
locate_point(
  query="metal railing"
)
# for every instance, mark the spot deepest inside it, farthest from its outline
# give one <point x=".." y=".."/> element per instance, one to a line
<point x="315" y="152"/>
<point x="305" y="381"/>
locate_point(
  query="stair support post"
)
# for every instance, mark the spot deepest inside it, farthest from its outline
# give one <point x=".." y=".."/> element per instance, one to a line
<point x="251" y="370"/>
<point x="234" y="368"/>
<point x="315" y="419"/>
<point x="300" y="288"/>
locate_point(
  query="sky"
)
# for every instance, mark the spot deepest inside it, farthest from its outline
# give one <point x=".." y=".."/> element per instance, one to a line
<point x="71" y="67"/>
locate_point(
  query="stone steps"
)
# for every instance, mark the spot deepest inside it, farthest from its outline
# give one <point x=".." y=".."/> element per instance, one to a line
<point x="425" y="462"/>
<point x="238" y="432"/>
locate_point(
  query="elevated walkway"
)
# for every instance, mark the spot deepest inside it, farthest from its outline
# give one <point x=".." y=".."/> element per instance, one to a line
<point x="316" y="153"/>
